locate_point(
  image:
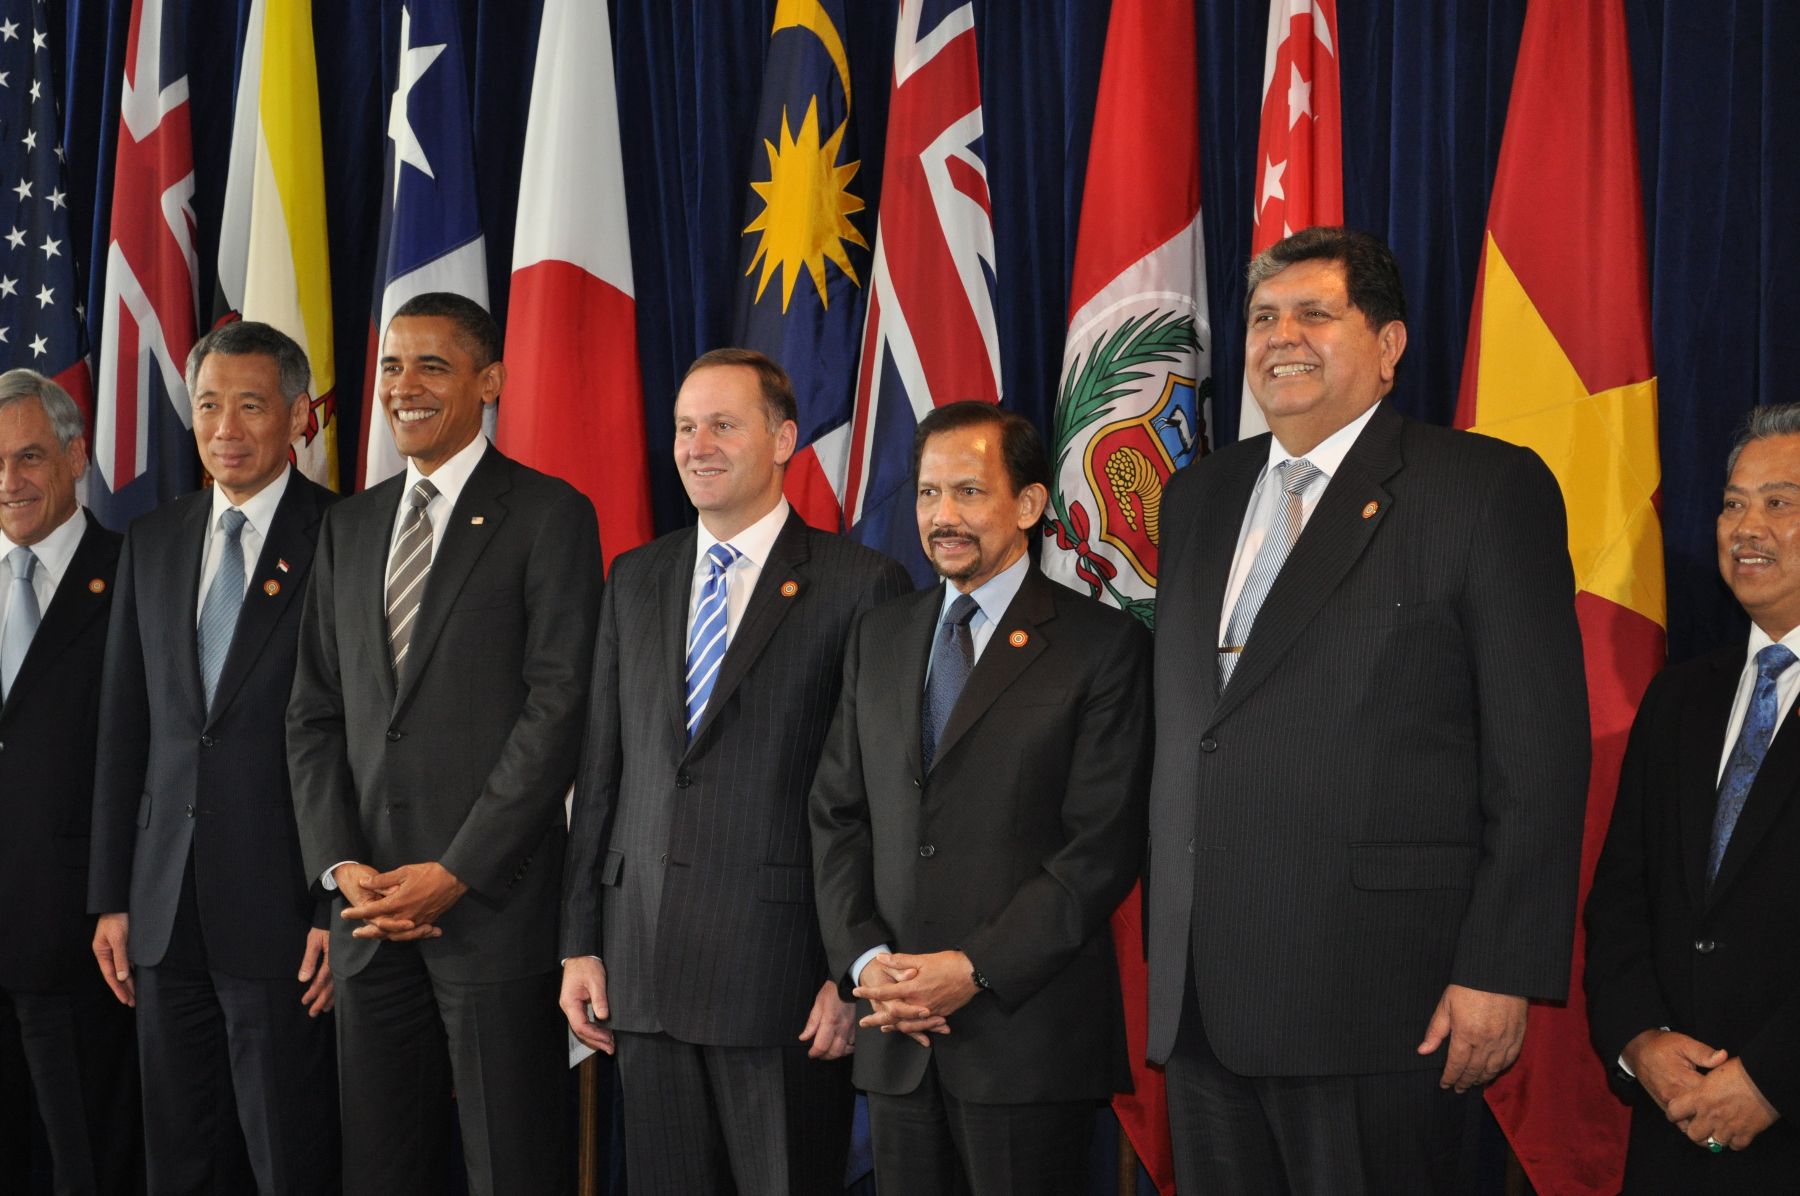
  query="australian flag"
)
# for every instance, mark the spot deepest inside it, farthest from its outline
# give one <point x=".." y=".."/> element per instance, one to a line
<point x="931" y="336"/>
<point x="40" y="308"/>
<point x="805" y="257"/>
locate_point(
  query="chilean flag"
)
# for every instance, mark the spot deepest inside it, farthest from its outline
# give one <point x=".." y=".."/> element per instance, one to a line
<point x="571" y="285"/>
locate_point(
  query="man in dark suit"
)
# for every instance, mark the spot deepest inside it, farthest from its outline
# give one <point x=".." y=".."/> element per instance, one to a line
<point x="206" y="924"/>
<point x="1693" y="948"/>
<point x="56" y="577"/>
<point x="717" y="671"/>
<point x="434" y="728"/>
<point x="1371" y="759"/>
<point x="978" y="814"/>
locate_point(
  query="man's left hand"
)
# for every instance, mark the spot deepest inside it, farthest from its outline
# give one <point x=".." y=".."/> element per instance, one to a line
<point x="315" y="973"/>
<point x="942" y="983"/>
<point x="412" y="898"/>
<point x="1485" y="1031"/>
<point x="830" y="1026"/>
<point x="1726" y="1106"/>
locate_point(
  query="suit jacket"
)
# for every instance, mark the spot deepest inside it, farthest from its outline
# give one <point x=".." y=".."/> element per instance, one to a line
<point x="466" y="762"/>
<point x="47" y="736"/>
<point x="1016" y="847"/>
<point x="1720" y="963"/>
<point x="690" y="862"/>
<point x="174" y="780"/>
<point x="1388" y="798"/>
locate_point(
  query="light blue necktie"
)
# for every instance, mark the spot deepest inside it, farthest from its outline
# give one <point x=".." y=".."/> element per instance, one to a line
<point x="1747" y="754"/>
<point x="21" y="617"/>
<point x="706" y="642"/>
<point x="1293" y="477"/>
<point x="219" y="613"/>
<point x="952" y="659"/>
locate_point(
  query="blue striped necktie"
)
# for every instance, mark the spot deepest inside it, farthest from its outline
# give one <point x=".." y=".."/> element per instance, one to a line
<point x="1747" y="754"/>
<point x="707" y="640"/>
<point x="224" y="597"/>
<point x="1293" y="477"/>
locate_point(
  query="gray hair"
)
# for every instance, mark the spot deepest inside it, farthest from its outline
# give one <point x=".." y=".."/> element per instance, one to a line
<point x="65" y="416"/>
<point x="1764" y="423"/>
<point x="241" y="338"/>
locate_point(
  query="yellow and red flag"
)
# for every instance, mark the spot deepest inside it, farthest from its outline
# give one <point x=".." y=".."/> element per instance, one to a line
<point x="1559" y="360"/>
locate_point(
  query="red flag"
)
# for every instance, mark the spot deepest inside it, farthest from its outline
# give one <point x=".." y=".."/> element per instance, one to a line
<point x="1559" y="359"/>
<point x="1300" y="147"/>
<point x="571" y="286"/>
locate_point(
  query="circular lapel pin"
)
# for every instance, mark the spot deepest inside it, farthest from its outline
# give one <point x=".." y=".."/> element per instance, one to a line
<point x="789" y="588"/>
<point x="1369" y="509"/>
<point x="97" y="586"/>
<point x="1018" y="639"/>
<point x="271" y="587"/>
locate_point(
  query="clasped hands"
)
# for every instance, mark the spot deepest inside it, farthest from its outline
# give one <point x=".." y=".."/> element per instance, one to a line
<point x="1704" y="1092"/>
<point x="400" y="905"/>
<point x="915" y="995"/>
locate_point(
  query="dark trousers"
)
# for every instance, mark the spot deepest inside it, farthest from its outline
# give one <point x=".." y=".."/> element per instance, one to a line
<point x="210" y="1043"/>
<point x="1330" y="1135"/>
<point x="82" y="1060"/>
<point x="405" y="1036"/>
<point x="929" y="1141"/>
<point x="766" y="1121"/>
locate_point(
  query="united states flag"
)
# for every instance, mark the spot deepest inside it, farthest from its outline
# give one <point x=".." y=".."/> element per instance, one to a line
<point x="40" y="307"/>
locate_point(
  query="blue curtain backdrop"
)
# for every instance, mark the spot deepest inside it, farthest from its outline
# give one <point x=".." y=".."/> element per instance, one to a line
<point x="1425" y="84"/>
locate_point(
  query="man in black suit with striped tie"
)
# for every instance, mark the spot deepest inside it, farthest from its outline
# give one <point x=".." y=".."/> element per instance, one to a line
<point x="688" y="919"/>
<point x="1365" y="817"/>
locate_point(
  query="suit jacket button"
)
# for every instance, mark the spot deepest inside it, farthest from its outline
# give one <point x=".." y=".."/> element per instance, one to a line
<point x="1704" y="946"/>
<point x="393" y="737"/>
<point x="1190" y="847"/>
<point x="927" y="850"/>
<point x="1209" y="744"/>
<point x="682" y="780"/>
<point x="664" y="859"/>
<point x="207" y="741"/>
<point x="190" y="810"/>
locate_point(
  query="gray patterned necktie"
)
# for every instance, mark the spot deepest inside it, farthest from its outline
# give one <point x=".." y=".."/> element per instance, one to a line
<point x="21" y="617"/>
<point x="406" y="573"/>
<point x="1293" y="477"/>
<point x="952" y="659"/>
<point x="224" y="598"/>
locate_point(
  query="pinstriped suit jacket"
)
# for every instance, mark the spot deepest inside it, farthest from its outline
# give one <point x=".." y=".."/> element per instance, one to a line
<point x="689" y="864"/>
<point x="1388" y="798"/>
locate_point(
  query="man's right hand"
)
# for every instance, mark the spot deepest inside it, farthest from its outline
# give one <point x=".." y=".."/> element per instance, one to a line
<point x="353" y="881"/>
<point x="110" y="937"/>
<point x="897" y="1017"/>
<point x="1668" y="1063"/>
<point x="584" y="984"/>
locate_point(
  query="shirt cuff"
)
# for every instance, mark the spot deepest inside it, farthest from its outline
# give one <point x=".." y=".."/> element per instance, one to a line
<point x="327" y="881"/>
<point x="862" y="961"/>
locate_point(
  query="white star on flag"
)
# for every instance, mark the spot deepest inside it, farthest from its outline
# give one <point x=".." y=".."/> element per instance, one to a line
<point x="45" y="296"/>
<point x="414" y="62"/>
<point x="38" y="345"/>
<point x="1299" y="96"/>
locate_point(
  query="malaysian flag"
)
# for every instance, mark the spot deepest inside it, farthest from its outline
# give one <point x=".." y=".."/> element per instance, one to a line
<point x="931" y="336"/>
<point x="146" y="321"/>
<point x="40" y="308"/>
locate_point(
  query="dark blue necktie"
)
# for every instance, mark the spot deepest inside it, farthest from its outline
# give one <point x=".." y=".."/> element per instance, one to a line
<point x="1747" y="754"/>
<point x="952" y="656"/>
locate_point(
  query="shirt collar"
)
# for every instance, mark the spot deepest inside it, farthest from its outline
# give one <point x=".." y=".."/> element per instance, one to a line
<point x="258" y="509"/>
<point x="452" y="475"/>
<point x="1328" y="455"/>
<point x="755" y="542"/>
<point x="995" y="594"/>
<point x="1759" y="639"/>
<point x="56" y="550"/>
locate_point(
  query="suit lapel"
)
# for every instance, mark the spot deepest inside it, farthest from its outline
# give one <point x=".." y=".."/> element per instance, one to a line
<point x="1333" y="540"/>
<point x="184" y="562"/>
<point x="921" y="626"/>
<point x="1703" y="734"/>
<point x="673" y="583"/>
<point x="1769" y="795"/>
<point x="365" y="542"/>
<point x="767" y="607"/>
<point x="472" y="525"/>
<point x="292" y="533"/>
<point x="74" y="604"/>
<point x="1016" y="642"/>
<point x="1216" y="533"/>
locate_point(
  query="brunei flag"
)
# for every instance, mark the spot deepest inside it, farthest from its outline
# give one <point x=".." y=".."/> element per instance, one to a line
<point x="1559" y="359"/>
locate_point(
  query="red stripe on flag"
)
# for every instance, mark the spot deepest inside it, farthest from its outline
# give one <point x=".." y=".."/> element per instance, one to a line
<point x="809" y="492"/>
<point x="1144" y="1112"/>
<point x="126" y="405"/>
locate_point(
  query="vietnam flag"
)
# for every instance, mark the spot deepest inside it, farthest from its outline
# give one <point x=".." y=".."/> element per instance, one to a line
<point x="572" y="288"/>
<point x="1559" y="360"/>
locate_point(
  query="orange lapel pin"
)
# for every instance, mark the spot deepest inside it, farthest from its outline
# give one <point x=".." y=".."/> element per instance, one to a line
<point x="789" y="588"/>
<point x="1369" y="509"/>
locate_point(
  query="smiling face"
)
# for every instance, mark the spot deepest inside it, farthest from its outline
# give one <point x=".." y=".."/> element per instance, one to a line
<point x="432" y="389"/>
<point x="1312" y="359"/>
<point x="972" y="523"/>
<point x="730" y="459"/>
<point x="37" y="475"/>
<point x="1758" y="533"/>
<point x="242" y="424"/>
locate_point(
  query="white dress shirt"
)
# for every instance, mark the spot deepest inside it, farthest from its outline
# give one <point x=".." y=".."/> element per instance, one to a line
<point x="1787" y="686"/>
<point x="259" y="513"/>
<point x="449" y="478"/>
<point x="1267" y="500"/>
<point x="753" y="546"/>
<point x="53" y="552"/>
